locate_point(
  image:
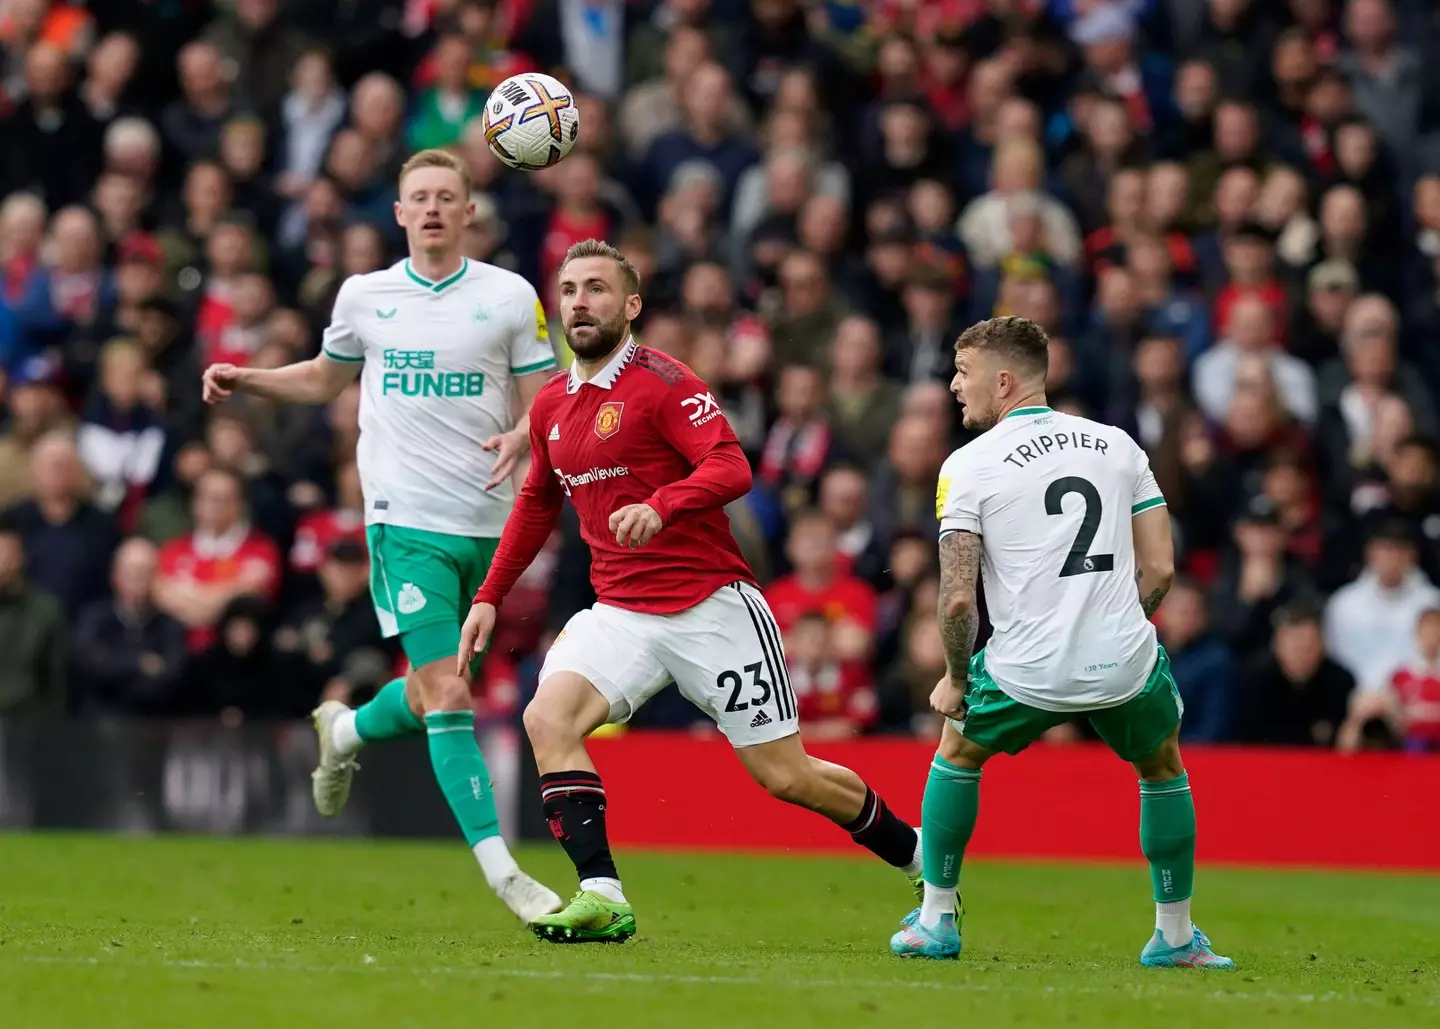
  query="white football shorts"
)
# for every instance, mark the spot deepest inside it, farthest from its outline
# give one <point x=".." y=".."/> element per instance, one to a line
<point x="724" y="654"/>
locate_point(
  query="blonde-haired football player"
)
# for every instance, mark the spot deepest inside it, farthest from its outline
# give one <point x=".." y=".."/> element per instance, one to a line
<point x="439" y="343"/>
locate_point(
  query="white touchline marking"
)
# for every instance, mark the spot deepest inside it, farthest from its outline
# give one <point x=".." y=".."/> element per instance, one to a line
<point x="1137" y="991"/>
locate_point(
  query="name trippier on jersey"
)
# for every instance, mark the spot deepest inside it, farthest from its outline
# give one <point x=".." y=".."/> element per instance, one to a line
<point x="1045" y="442"/>
<point x="593" y="475"/>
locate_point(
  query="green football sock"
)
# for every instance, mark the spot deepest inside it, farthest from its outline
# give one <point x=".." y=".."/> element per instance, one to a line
<point x="1167" y="837"/>
<point x="947" y="818"/>
<point x="387" y="716"/>
<point x="460" y="770"/>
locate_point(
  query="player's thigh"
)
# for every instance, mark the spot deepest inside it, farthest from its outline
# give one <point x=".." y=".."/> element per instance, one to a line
<point x="613" y="651"/>
<point x="997" y="722"/>
<point x="1140" y="727"/>
<point x="726" y="656"/>
<point x="415" y="585"/>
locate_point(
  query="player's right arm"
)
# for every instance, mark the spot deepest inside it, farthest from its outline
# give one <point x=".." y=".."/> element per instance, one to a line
<point x="316" y="381"/>
<point x="537" y="509"/>
<point x="957" y="502"/>
<point x="1154" y="543"/>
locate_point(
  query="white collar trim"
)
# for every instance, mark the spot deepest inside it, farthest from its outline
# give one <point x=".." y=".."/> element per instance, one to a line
<point x="605" y="377"/>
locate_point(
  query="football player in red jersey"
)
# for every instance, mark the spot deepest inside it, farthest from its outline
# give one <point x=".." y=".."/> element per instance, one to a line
<point x="639" y="445"/>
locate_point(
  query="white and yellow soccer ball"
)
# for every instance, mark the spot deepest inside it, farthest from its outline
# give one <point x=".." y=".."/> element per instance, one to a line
<point x="531" y="121"/>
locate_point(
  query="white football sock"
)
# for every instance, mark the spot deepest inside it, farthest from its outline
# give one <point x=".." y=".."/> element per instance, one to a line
<point x="495" y="860"/>
<point x="1173" y="921"/>
<point x="344" y="737"/>
<point x="939" y="900"/>
<point x="917" y="863"/>
<point x="607" y="888"/>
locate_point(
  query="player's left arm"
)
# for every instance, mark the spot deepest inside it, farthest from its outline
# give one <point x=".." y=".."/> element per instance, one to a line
<point x="532" y="362"/>
<point x="957" y="505"/>
<point x="690" y="420"/>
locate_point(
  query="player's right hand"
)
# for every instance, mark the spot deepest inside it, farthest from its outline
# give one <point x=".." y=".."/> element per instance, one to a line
<point x="948" y="698"/>
<point x="219" y="382"/>
<point x="474" y="635"/>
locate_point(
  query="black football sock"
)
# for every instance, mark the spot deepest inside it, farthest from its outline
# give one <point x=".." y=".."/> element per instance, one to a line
<point x="574" y="805"/>
<point x="880" y="832"/>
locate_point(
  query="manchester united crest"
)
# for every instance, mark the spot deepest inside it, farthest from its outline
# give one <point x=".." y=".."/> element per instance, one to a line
<point x="607" y="419"/>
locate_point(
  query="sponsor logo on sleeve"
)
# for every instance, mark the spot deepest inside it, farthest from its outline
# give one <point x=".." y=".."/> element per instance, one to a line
<point x="702" y="408"/>
<point x="942" y="493"/>
<point x="542" y="328"/>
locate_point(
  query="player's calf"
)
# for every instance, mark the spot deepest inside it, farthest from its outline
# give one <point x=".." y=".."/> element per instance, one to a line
<point x="464" y="778"/>
<point x="567" y="708"/>
<point x="788" y="773"/>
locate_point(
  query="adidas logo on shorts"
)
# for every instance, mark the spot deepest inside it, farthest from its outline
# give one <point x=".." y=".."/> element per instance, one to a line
<point x="760" y="719"/>
<point x="554" y="432"/>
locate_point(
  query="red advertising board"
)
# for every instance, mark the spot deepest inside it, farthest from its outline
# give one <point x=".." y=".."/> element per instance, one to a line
<point x="1255" y="806"/>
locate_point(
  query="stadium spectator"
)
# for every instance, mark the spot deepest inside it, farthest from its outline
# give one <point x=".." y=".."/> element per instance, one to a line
<point x="833" y="695"/>
<point x="203" y="573"/>
<point x="32" y="662"/>
<point x="1258" y="577"/>
<point x="121" y="442"/>
<point x="817" y="584"/>
<point x="1248" y="335"/>
<point x="333" y="640"/>
<point x="1409" y="706"/>
<point x="1369" y="624"/>
<point x="1203" y="666"/>
<point x="1294" y="695"/>
<point x="128" y="657"/>
<point x="863" y="404"/>
<point x="36" y="407"/>
<point x="256" y="39"/>
<point x="191" y="123"/>
<point x="903" y="489"/>
<point x="68" y="540"/>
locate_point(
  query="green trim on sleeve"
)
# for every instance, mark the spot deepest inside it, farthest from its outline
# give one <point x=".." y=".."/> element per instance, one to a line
<point x="538" y="366"/>
<point x="341" y="357"/>
<point x="1146" y="505"/>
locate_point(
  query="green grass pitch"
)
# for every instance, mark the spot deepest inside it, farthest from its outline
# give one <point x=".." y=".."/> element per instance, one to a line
<point x="214" y="934"/>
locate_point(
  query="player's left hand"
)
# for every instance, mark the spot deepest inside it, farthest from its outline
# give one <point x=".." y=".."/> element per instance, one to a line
<point x="512" y="446"/>
<point x="635" y="525"/>
<point x="948" y="698"/>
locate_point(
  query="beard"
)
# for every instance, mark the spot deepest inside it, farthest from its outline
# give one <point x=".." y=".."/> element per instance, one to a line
<point x="603" y="338"/>
<point x="977" y="419"/>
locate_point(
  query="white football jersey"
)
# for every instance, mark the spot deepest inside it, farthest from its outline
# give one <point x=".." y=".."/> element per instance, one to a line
<point x="439" y="361"/>
<point x="1051" y="496"/>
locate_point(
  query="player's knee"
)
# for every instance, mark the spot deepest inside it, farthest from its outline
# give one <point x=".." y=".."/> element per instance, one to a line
<point x="443" y="693"/>
<point x="1164" y="764"/>
<point x="548" y="728"/>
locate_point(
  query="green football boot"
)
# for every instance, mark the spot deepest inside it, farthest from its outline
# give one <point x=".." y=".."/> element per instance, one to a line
<point x="588" y="918"/>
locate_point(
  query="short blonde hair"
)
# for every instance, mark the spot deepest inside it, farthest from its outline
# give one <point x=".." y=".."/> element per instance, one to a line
<point x="438" y="159"/>
<point x="629" y="276"/>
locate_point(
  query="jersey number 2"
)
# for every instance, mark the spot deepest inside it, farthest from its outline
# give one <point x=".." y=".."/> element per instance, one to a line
<point x="1079" y="561"/>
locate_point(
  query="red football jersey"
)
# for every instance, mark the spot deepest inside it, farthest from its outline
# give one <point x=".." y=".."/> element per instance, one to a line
<point x="222" y="561"/>
<point x="644" y="430"/>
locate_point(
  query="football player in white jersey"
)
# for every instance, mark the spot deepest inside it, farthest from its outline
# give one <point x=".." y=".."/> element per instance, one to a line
<point x="1061" y="519"/>
<point x="439" y="343"/>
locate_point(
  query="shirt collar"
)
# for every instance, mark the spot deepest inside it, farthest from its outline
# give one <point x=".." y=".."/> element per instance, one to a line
<point x="211" y="546"/>
<point x="605" y="377"/>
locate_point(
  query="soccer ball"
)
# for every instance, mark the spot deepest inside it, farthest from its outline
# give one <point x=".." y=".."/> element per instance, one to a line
<point x="531" y="121"/>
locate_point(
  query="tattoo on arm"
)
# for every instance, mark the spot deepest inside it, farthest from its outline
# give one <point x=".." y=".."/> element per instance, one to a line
<point x="959" y="570"/>
<point x="1149" y="604"/>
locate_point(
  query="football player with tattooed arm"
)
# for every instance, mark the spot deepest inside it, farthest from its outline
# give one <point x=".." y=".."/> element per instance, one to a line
<point x="1061" y="519"/>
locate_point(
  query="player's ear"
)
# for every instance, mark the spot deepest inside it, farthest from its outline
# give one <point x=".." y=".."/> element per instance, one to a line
<point x="398" y="220"/>
<point x="632" y="307"/>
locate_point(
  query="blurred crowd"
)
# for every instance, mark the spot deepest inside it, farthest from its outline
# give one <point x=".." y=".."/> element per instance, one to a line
<point x="1225" y="212"/>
